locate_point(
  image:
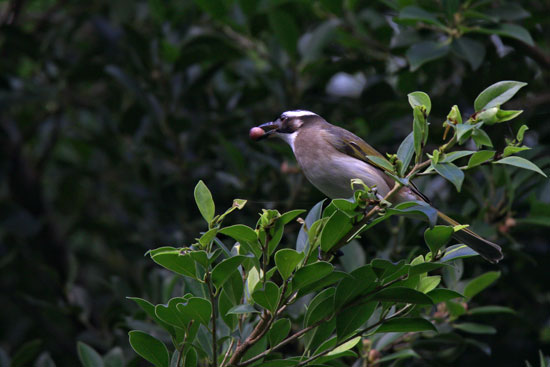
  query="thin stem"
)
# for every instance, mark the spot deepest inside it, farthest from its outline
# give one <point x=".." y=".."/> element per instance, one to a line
<point x="228" y="352"/>
<point x="314" y="325"/>
<point x="395" y="315"/>
<point x="214" y="317"/>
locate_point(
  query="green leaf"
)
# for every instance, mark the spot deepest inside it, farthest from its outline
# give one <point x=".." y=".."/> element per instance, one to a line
<point x="240" y="233"/>
<point x="352" y="318"/>
<point x="337" y="226"/>
<point x="406" y="325"/>
<point x="361" y="280"/>
<point x="480" y="157"/>
<point x="416" y="14"/>
<point x="279" y="330"/>
<point x="481" y="138"/>
<point x="285" y="29"/>
<point x="114" y="358"/>
<point x="471" y="50"/>
<point x="479" y="283"/>
<point x="428" y="283"/>
<point x="521" y="132"/>
<point x="197" y="309"/>
<point x="464" y="131"/>
<point x="510" y="150"/>
<point x="149" y="309"/>
<point x="507" y="115"/>
<point x="423" y="52"/>
<point x="204" y="201"/>
<point x="474" y="328"/>
<point x="224" y="269"/>
<point x="405" y="152"/>
<point x="453" y="156"/>
<point x="423" y="268"/>
<point x="402" y="295"/>
<point x="420" y="99"/>
<point x="267" y="297"/>
<point x="345" y="346"/>
<point x="150" y="348"/>
<point x="484" y="310"/>
<point x="450" y="172"/>
<point x="286" y="261"/>
<point x="509" y="30"/>
<point x="225" y="303"/>
<point x="320" y="306"/>
<point x="311" y="273"/>
<point x="174" y="260"/>
<point x="521" y="163"/>
<point x="442" y="295"/>
<point x="242" y="309"/>
<point x="302" y="242"/>
<point x="88" y="356"/>
<point x="438" y="237"/>
<point x="458" y="252"/>
<point x="208" y="237"/>
<point x="169" y="313"/>
<point x="497" y="94"/>
<point x="381" y="162"/>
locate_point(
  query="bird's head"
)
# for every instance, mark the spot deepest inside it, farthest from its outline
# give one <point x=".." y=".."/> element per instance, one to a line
<point x="286" y="126"/>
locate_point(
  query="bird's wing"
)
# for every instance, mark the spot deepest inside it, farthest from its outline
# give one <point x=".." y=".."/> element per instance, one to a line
<point x="352" y="145"/>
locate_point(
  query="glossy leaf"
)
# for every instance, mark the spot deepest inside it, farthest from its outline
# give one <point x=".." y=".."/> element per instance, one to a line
<point x="150" y="348"/>
<point x="338" y="226"/>
<point x="420" y="99"/>
<point x="521" y="163"/>
<point x="480" y="157"/>
<point x="204" y="201"/>
<point x="310" y="274"/>
<point x="484" y="310"/>
<point x="497" y="94"/>
<point x="405" y="152"/>
<point x="175" y="260"/>
<point x="279" y="330"/>
<point x="286" y="261"/>
<point x="302" y="243"/>
<point x="450" y="172"/>
<point x="457" y="252"/>
<point x="197" y="309"/>
<point x="481" y="282"/>
<point x="352" y="318"/>
<point x="88" y="356"/>
<point x="402" y="295"/>
<point x="268" y="296"/>
<point x="426" y="51"/>
<point x="442" y="294"/>
<point x="474" y="328"/>
<point x="437" y="237"/>
<point x="224" y="269"/>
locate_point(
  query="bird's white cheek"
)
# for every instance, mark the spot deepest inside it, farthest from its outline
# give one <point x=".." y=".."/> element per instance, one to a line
<point x="289" y="138"/>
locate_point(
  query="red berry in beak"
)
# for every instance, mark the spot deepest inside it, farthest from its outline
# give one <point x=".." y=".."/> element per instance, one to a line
<point x="256" y="133"/>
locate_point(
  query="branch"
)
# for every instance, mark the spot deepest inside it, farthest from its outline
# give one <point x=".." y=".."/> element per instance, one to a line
<point x="314" y="325"/>
<point x="359" y="333"/>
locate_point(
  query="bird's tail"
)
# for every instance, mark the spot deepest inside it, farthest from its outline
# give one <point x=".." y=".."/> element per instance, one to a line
<point x="488" y="250"/>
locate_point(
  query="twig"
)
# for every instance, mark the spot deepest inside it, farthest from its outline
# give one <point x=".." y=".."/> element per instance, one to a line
<point x="214" y="338"/>
<point x="228" y="352"/>
<point x="395" y="315"/>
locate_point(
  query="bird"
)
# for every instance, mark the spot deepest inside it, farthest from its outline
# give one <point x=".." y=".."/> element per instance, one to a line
<point x="331" y="156"/>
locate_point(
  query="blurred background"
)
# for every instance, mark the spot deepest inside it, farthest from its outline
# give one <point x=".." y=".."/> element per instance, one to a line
<point x="111" y="111"/>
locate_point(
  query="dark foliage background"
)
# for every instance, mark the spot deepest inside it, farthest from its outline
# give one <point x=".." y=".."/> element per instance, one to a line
<point x="111" y="111"/>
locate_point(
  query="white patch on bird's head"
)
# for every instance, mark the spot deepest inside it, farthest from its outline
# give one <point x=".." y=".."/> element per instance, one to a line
<point x="298" y="113"/>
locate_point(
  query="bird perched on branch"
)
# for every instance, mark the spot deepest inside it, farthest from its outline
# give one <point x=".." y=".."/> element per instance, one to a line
<point x="331" y="157"/>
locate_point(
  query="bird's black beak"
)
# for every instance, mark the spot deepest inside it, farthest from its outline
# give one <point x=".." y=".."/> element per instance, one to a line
<point x="269" y="129"/>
